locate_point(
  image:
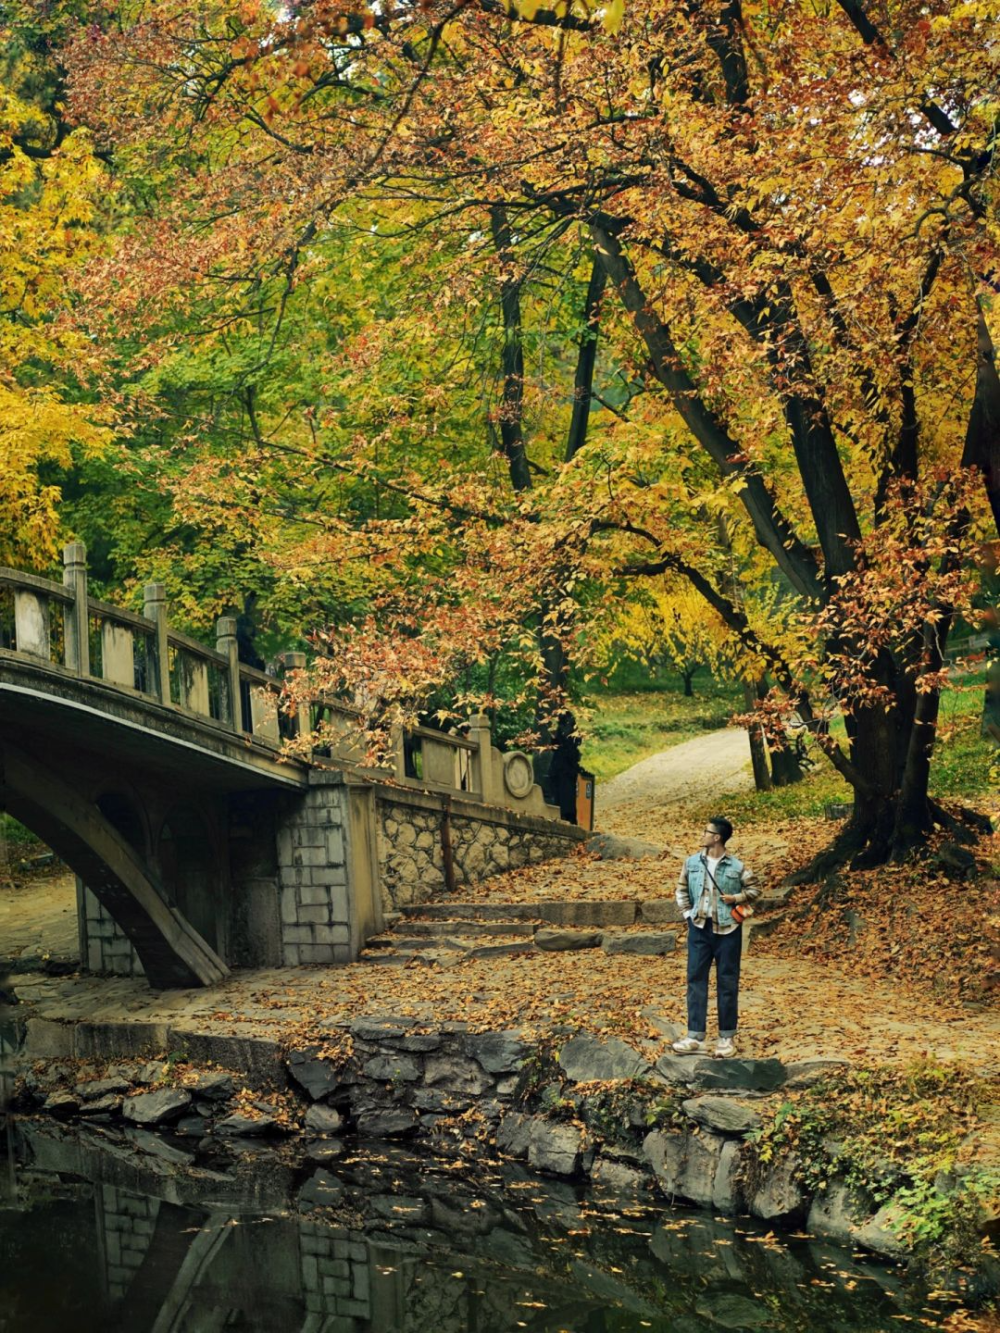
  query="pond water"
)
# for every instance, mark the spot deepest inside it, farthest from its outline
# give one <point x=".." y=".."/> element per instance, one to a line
<point x="123" y="1231"/>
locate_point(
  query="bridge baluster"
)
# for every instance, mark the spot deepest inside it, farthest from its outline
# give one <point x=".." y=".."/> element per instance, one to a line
<point x="301" y="726"/>
<point x="78" y="617"/>
<point x="155" y="609"/>
<point x="225" y="642"/>
<point x="31" y="623"/>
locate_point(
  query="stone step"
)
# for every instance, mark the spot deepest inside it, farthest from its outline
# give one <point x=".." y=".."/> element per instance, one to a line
<point x="564" y="912"/>
<point x="460" y="943"/>
<point x="460" y="926"/>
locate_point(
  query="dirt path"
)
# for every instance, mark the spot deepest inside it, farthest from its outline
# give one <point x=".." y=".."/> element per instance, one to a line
<point x="38" y="920"/>
<point x="637" y="801"/>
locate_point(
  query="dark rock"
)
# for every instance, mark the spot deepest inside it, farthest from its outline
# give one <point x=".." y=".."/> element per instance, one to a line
<point x="457" y="1073"/>
<point x="156" y="1108"/>
<point x="738" y="1074"/>
<point x="728" y="1309"/>
<point x="389" y="1124"/>
<point x="109" y="1105"/>
<point x="587" y="1059"/>
<point x="726" y="1193"/>
<point x="392" y="1068"/>
<point x="317" y="1076"/>
<point x="554" y="1147"/>
<point x="780" y="1197"/>
<point x="322" y="1119"/>
<point x="192" y="1126"/>
<point x="245" y="1126"/>
<point x="321" y="1152"/>
<point x="647" y="942"/>
<point x="618" y="1177"/>
<point x="439" y="1101"/>
<point x="151" y="1072"/>
<point x="497" y="1052"/>
<point x="214" y="1085"/>
<point x="805" y="1073"/>
<point x="321" y="1190"/>
<point x="101" y="1087"/>
<point x="956" y="861"/>
<point x="513" y="1133"/>
<point x="686" y="1165"/>
<point x="837" y="1212"/>
<point x="880" y="1235"/>
<point x="367" y="1028"/>
<point x="421" y="1042"/>
<point x="721" y="1114"/>
<point x="61" y="1103"/>
<point x="553" y="940"/>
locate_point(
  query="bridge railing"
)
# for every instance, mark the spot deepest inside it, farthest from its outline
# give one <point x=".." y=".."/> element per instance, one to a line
<point x="61" y="625"/>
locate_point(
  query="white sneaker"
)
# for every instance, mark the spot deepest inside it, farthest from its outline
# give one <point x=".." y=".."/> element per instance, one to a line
<point x="725" y="1046"/>
<point x="688" y="1046"/>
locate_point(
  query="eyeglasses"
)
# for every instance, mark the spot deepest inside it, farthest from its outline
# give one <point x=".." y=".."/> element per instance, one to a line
<point x="713" y="833"/>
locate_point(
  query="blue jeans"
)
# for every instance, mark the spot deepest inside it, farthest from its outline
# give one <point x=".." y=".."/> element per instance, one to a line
<point x="704" y="948"/>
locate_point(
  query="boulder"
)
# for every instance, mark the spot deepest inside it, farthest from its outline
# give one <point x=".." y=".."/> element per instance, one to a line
<point x="726" y="1193"/>
<point x="653" y="943"/>
<point x="780" y="1196"/>
<point x="618" y="1177"/>
<point x="191" y="1126"/>
<point x="324" y="1152"/>
<point x="553" y="940"/>
<point x="212" y="1085"/>
<point x="246" y="1126"/>
<point x="367" y="1028"/>
<point x="805" y="1073"/>
<point x="722" y="1114"/>
<point x="109" y="1105"/>
<point x="686" y="1165"/>
<point x="879" y="1233"/>
<point x="101" y="1087"/>
<point x="457" y="1073"/>
<point x="611" y="847"/>
<point x="554" y="1148"/>
<point x="587" y="1059"/>
<point x="728" y="1309"/>
<point x="420" y="1042"/>
<point x="746" y="1075"/>
<point x="392" y="1068"/>
<point x="513" y="1133"/>
<point x="837" y="1212"/>
<point x="317" y="1076"/>
<point x="157" y="1108"/>
<point x="389" y="1124"/>
<point x="322" y="1119"/>
<point x="61" y="1103"/>
<point x="497" y="1052"/>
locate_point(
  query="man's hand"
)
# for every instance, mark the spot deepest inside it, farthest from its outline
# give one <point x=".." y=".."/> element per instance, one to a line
<point x="728" y="897"/>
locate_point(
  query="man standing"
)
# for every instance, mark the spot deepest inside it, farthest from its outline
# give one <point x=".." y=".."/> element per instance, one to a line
<point x="712" y="883"/>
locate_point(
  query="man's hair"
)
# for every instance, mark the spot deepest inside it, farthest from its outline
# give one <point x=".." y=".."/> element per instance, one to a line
<point x="723" y="827"/>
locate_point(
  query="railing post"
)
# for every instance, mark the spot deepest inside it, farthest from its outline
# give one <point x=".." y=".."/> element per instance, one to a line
<point x="225" y="642"/>
<point x="482" y="758"/>
<point x="154" y="608"/>
<point x="301" y="724"/>
<point x="78" y="622"/>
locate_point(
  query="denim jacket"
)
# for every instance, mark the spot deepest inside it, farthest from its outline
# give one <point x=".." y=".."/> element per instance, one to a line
<point x="731" y="876"/>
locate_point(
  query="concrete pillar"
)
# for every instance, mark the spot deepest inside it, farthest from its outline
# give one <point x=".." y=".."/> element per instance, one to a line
<point x="225" y="642"/>
<point x="301" y="722"/>
<point x="155" y="609"/>
<point x="78" y="616"/>
<point x="482" y="760"/>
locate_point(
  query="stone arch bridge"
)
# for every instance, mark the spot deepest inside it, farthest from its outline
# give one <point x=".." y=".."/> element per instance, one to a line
<point x="153" y="766"/>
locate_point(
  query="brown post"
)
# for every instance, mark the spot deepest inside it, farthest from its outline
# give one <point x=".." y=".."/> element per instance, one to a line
<point x="225" y="642"/>
<point x="78" y="620"/>
<point x="482" y="759"/>
<point x="154" y="608"/>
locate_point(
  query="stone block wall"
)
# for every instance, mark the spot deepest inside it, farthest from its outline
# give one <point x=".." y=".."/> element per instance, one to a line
<point x="335" y="1273"/>
<point x="127" y="1222"/>
<point x="485" y="841"/>
<point x="313" y="879"/>
<point x="104" y="946"/>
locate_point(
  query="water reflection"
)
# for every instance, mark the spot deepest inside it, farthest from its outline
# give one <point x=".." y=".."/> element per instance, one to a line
<point x="119" y="1231"/>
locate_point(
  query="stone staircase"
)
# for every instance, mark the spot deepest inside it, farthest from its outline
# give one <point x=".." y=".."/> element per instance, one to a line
<point x="447" y="933"/>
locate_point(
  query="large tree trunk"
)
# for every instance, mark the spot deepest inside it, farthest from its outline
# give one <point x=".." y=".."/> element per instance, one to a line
<point x="758" y="746"/>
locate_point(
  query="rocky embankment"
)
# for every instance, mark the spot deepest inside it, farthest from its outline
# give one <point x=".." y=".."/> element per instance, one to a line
<point x="699" y="1131"/>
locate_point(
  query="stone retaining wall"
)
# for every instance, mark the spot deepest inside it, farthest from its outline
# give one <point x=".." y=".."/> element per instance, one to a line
<point x="485" y="841"/>
<point x="104" y="946"/>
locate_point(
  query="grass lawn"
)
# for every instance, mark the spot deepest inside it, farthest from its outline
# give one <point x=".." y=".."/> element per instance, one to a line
<point x="625" y="726"/>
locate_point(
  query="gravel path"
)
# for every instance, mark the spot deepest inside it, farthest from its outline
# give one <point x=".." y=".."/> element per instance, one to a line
<point x="709" y="765"/>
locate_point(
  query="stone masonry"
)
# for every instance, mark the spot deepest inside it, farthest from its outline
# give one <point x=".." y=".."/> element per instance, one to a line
<point x="104" y="945"/>
<point x="313" y="879"/>
<point x="484" y="842"/>
<point x="128" y="1222"/>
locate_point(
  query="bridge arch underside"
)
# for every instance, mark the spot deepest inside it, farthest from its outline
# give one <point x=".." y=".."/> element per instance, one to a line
<point x="143" y="824"/>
